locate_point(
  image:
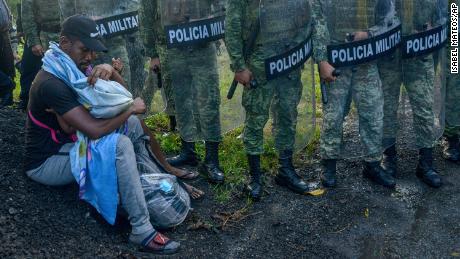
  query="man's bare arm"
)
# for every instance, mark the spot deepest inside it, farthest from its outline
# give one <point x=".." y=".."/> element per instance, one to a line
<point x="80" y="119"/>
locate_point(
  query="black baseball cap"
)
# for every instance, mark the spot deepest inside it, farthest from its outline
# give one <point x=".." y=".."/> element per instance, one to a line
<point x="84" y="29"/>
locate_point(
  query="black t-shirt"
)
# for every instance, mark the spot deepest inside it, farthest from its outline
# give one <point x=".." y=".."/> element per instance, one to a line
<point x="46" y="92"/>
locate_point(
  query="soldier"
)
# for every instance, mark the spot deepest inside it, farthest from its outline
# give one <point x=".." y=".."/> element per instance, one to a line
<point x="452" y="131"/>
<point x="40" y="24"/>
<point x="349" y="22"/>
<point x="194" y="79"/>
<point x="418" y="76"/>
<point x="116" y="45"/>
<point x="154" y="36"/>
<point x="283" y="26"/>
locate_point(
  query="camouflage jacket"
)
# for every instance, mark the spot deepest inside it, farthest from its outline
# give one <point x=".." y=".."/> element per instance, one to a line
<point x="240" y="19"/>
<point x="151" y="26"/>
<point x="37" y="15"/>
<point x="348" y="16"/>
<point x="150" y="30"/>
<point x="417" y="15"/>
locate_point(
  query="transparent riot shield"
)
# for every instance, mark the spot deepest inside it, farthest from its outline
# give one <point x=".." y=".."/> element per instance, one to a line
<point x="285" y="37"/>
<point x="362" y="33"/>
<point x="115" y="20"/>
<point x="414" y="113"/>
<point x="199" y="68"/>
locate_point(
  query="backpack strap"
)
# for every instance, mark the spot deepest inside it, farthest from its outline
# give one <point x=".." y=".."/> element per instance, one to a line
<point x="42" y="125"/>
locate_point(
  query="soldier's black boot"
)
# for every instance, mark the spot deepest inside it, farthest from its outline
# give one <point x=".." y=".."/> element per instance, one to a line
<point x="187" y="155"/>
<point x="255" y="188"/>
<point x="389" y="161"/>
<point x="211" y="163"/>
<point x="172" y="123"/>
<point x="287" y="175"/>
<point x="425" y="170"/>
<point x="328" y="178"/>
<point x="377" y="174"/>
<point x="451" y="152"/>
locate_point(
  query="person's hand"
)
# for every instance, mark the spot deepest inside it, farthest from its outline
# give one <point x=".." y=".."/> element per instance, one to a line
<point x="117" y="64"/>
<point x="325" y="72"/>
<point x="138" y="106"/>
<point x="155" y="64"/>
<point x="244" y="77"/>
<point x="103" y="71"/>
<point x="360" y="35"/>
<point x="38" y="50"/>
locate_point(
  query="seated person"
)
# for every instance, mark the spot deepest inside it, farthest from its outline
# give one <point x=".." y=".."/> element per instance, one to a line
<point x="47" y="158"/>
<point x="185" y="174"/>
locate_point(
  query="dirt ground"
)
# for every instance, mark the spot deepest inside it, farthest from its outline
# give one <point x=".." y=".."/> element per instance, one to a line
<point x="355" y="220"/>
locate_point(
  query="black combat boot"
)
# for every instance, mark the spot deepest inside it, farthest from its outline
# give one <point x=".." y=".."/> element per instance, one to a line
<point x="425" y="170"/>
<point x="389" y="161"/>
<point x="452" y="149"/>
<point x="172" y="123"/>
<point x="287" y="175"/>
<point x="328" y="178"/>
<point x="377" y="174"/>
<point x="211" y="163"/>
<point x="187" y="155"/>
<point x="255" y="187"/>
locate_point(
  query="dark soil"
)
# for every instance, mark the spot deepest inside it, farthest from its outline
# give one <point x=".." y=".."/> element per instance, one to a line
<point x="357" y="219"/>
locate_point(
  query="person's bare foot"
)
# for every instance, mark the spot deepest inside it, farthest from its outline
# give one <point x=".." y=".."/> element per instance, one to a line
<point x="182" y="173"/>
<point x="195" y="193"/>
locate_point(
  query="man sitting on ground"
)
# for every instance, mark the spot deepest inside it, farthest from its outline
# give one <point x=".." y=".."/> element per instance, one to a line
<point x="47" y="157"/>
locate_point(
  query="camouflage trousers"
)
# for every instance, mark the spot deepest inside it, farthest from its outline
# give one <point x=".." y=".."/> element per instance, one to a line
<point x="452" y="106"/>
<point x="364" y="87"/>
<point x="167" y="89"/>
<point x="195" y="82"/>
<point x="283" y="96"/>
<point x="116" y="49"/>
<point x="418" y="80"/>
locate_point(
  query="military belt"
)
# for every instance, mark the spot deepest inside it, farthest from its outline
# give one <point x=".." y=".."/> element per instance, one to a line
<point x="363" y="51"/>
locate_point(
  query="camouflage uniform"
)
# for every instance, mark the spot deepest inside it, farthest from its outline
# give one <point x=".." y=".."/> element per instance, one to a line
<point x="194" y="78"/>
<point x="394" y="71"/>
<point x="285" y="90"/>
<point x="153" y="36"/>
<point x="8" y="46"/>
<point x="361" y="82"/>
<point x="40" y="21"/>
<point x="117" y="45"/>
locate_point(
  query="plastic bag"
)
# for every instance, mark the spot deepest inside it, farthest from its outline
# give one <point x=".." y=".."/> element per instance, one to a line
<point x="167" y="201"/>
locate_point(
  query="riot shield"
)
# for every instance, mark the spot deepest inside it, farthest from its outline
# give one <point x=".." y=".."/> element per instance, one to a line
<point x="285" y="37"/>
<point x="414" y="113"/>
<point x="115" y="20"/>
<point x="353" y="115"/>
<point x="199" y="77"/>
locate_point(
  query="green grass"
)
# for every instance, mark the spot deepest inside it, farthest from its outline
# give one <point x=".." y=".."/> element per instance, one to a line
<point x="232" y="155"/>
